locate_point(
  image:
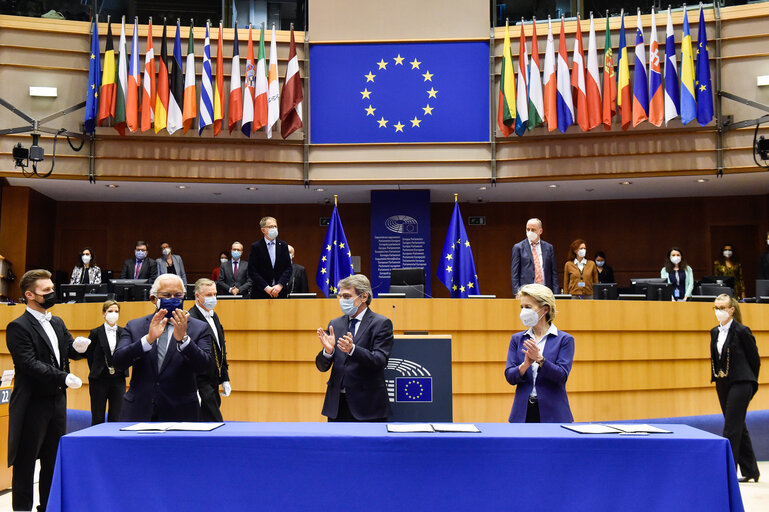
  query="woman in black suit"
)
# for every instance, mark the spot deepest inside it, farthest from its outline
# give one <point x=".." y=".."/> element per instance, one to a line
<point x="105" y="383"/>
<point x="734" y="369"/>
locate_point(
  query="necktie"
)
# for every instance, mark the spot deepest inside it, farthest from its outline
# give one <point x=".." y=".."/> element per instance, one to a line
<point x="353" y="323"/>
<point x="235" y="269"/>
<point x="271" y="250"/>
<point x="163" y="347"/>
<point x="137" y="269"/>
<point x="537" y="265"/>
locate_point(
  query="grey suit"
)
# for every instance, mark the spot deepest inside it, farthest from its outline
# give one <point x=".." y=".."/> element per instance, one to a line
<point x="178" y="266"/>
<point x="242" y="281"/>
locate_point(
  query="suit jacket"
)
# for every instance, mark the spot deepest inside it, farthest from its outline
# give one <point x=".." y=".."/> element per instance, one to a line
<point x="218" y="370"/>
<point x="298" y="282"/>
<point x="39" y="377"/>
<point x="261" y="271"/>
<point x="178" y="266"/>
<point x="551" y="378"/>
<point x="741" y="351"/>
<point x="362" y="373"/>
<point x="522" y="266"/>
<point x="94" y="275"/>
<point x="172" y="391"/>
<point x="227" y="280"/>
<point x="148" y="270"/>
<point x="99" y="356"/>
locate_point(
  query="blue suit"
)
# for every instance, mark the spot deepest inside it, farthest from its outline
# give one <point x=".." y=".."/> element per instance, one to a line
<point x="171" y="393"/>
<point x="522" y="266"/>
<point x="551" y="378"/>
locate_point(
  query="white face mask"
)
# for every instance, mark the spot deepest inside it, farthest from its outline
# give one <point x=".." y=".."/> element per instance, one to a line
<point x="529" y="317"/>
<point x="722" y="315"/>
<point x="272" y="233"/>
<point x="600" y="263"/>
<point x="86" y="259"/>
<point x="581" y="253"/>
<point x="531" y="235"/>
<point x="728" y="254"/>
<point x="166" y="251"/>
<point x="209" y="302"/>
<point x="223" y="260"/>
<point x="675" y="260"/>
<point x="112" y="317"/>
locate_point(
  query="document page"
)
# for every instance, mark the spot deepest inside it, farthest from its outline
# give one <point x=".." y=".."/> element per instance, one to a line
<point x="194" y="426"/>
<point x="409" y="427"/>
<point x="148" y="427"/>
<point x="455" y="427"/>
<point x="639" y="428"/>
<point x="591" y="428"/>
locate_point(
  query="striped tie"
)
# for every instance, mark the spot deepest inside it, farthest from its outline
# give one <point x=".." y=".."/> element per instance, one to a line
<point x="537" y="265"/>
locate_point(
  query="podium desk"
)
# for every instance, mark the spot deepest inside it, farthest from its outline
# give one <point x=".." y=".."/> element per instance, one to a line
<point x="338" y="466"/>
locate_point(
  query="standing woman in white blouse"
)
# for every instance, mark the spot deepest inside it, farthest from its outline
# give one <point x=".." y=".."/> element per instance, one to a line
<point x="734" y="369"/>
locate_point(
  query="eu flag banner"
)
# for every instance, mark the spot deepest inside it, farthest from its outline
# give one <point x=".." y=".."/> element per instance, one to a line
<point x="94" y="82"/>
<point x="405" y="92"/>
<point x="456" y="269"/>
<point x="414" y="389"/>
<point x="335" y="257"/>
<point x="703" y="93"/>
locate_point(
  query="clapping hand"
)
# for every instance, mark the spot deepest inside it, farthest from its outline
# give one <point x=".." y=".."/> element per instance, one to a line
<point x="179" y="321"/>
<point x="157" y="326"/>
<point x="345" y="343"/>
<point x="531" y="350"/>
<point x="327" y="340"/>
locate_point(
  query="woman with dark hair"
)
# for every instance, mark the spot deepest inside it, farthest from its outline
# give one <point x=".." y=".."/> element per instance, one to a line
<point x="223" y="258"/>
<point x="729" y="266"/>
<point x="85" y="271"/>
<point x="679" y="274"/>
<point x="579" y="273"/>
<point x="605" y="272"/>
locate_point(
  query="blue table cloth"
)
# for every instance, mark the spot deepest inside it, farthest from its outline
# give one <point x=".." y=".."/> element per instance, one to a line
<point x="336" y="466"/>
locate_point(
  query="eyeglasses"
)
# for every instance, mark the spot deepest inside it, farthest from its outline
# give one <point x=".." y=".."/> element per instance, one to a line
<point x="179" y="295"/>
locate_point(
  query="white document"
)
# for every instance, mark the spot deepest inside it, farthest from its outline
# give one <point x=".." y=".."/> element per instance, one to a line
<point x="173" y="426"/>
<point x="591" y="428"/>
<point x="639" y="429"/>
<point x="148" y="427"/>
<point x="455" y="427"/>
<point x="410" y="427"/>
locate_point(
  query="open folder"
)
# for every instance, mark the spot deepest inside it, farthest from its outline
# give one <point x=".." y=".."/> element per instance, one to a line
<point x="615" y="428"/>
<point x="183" y="426"/>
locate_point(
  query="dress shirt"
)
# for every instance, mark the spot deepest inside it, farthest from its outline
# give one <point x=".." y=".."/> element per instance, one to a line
<point x="359" y="319"/>
<point x="541" y="346"/>
<point x="209" y="316"/>
<point x="111" y="336"/>
<point x="271" y="249"/>
<point x="580" y="264"/>
<point x="45" y="322"/>
<point x="723" y="331"/>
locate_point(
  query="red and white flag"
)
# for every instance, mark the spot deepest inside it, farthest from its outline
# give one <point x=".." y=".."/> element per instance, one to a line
<point x="291" y="100"/>
<point x="578" y="80"/>
<point x="592" y="81"/>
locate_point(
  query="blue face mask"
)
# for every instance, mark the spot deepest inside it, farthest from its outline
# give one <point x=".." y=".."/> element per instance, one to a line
<point x="348" y="306"/>
<point x="236" y="255"/>
<point x="140" y="255"/>
<point x="170" y="305"/>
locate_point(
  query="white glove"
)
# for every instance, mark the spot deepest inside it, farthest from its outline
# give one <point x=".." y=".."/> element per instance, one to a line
<point x="73" y="381"/>
<point x="81" y="344"/>
<point x="227" y="388"/>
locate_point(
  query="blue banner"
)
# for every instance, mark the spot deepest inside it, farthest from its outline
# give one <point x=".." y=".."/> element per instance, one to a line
<point x="405" y="92"/>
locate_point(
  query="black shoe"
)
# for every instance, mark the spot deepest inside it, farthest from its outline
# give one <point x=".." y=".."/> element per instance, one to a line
<point x="746" y="479"/>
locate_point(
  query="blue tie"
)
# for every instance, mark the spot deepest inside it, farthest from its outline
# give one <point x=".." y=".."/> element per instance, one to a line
<point x="353" y="322"/>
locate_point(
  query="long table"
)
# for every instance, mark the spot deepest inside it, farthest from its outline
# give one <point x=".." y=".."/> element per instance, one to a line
<point x="322" y="466"/>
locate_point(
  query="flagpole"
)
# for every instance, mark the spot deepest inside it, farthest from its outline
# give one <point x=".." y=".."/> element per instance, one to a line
<point x="456" y="196"/>
<point x="335" y="196"/>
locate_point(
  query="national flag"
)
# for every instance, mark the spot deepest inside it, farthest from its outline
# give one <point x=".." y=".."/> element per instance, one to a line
<point x="609" y="80"/>
<point x="592" y="80"/>
<point x="235" y="113"/>
<point x="161" y="95"/>
<point x="640" y="78"/>
<point x="122" y="83"/>
<point x="672" y="83"/>
<point x="522" y="90"/>
<point x="549" y="79"/>
<point x="624" y="103"/>
<point x="94" y="81"/>
<point x="565" y="106"/>
<point x="132" y="94"/>
<point x="260" y="88"/>
<point x="108" y="92"/>
<point x="656" y="93"/>
<point x="148" y="87"/>
<point x="704" y="92"/>
<point x="219" y="86"/>
<point x="506" y="105"/>
<point x="456" y="269"/>
<point x="175" y="120"/>
<point x="335" y="257"/>
<point x="688" y="101"/>
<point x="273" y="89"/>
<point x="536" y="102"/>
<point x="291" y="99"/>
<point x="190" y="107"/>
<point x="206" y="88"/>
<point x="248" y="89"/>
<point x="579" y="94"/>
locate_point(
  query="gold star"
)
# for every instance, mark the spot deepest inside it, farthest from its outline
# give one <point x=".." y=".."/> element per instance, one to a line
<point x="333" y="290"/>
<point x="415" y="122"/>
<point x="454" y="287"/>
<point x="382" y="122"/>
<point x="398" y="60"/>
<point x="459" y="241"/>
<point x="448" y="269"/>
<point x="448" y="256"/>
<point x="467" y="244"/>
<point x="93" y="86"/>
<point x="366" y="94"/>
<point x="415" y="64"/>
<point x="323" y="270"/>
<point x="328" y="247"/>
<point x="370" y="110"/>
<point x="350" y="254"/>
<point x="462" y="289"/>
<point x="703" y="88"/>
<point x="352" y="266"/>
<point x="370" y="77"/>
<point x="335" y="242"/>
<point x="323" y="258"/>
<point x="399" y="127"/>
<point x="326" y="281"/>
<point x="382" y="64"/>
<point x="428" y="76"/>
<point x="432" y="92"/>
<point x="93" y="56"/>
<point x="428" y="110"/>
<point x="470" y="285"/>
<point x="341" y="246"/>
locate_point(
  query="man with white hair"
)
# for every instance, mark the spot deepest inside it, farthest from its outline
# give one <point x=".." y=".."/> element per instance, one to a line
<point x="166" y="349"/>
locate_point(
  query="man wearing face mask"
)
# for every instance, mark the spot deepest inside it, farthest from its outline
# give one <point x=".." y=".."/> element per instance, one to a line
<point x="166" y="350"/>
<point x="40" y="346"/>
<point x="140" y="266"/>
<point x="269" y="264"/>
<point x="234" y="277"/>
<point x="533" y="260"/>
<point x="356" y="348"/>
<point x="208" y="382"/>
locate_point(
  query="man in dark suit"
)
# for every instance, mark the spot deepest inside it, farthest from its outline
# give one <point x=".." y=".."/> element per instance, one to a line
<point x="533" y="260"/>
<point x="356" y="348"/>
<point x="233" y="274"/>
<point x="208" y="382"/>
<point x="105" y="383"/>
<point x="269" y="264"/>
<point x="140" y="266"/>
<point x="298" y="281"/>
<point x="166" y="349"/>
<point x="40" y="346"/>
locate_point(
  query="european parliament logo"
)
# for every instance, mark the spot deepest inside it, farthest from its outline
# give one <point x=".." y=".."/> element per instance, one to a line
<point x="418" y="92"/>
<point x="415" y="384"/>
<point x="402" y="224"/>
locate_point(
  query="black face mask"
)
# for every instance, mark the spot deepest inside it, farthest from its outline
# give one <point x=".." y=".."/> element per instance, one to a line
<point x="49" y="300"/>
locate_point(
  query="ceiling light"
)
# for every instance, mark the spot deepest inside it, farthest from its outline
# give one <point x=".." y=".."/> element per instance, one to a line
<point x="553" y="186"/>
<point x="482" y="188"/>
<point x="701" y="180"/>
<point x="252" y="188"/>
<point x="625" y="182"/>
<point x="182" y="187"/>
<point x="320" y="190"/>
<point x="112" y="186"/>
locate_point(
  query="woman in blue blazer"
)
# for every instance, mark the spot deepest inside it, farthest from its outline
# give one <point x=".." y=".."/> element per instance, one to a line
<point x="539" y="361"/>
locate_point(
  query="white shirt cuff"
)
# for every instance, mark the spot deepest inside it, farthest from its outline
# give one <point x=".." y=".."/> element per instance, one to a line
<point x="326" y="354"/>
<point x="183" y="345"/>
<point x="351" y="350"/>
<point x="145" y="344"/>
